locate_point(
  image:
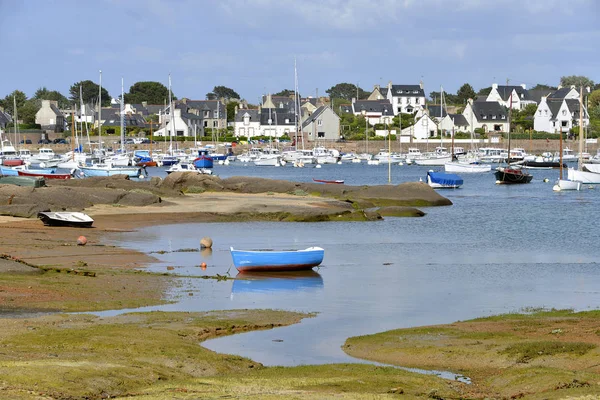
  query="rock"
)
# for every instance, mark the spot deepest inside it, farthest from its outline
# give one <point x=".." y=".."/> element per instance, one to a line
<point x="397" y="211"/>
<point x="81" y="241"/>
<point x="206" y="242"/>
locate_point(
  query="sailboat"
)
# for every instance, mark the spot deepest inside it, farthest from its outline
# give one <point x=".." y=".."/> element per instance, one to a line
<point x="564" y="184"/>
<point x="121" y="159"/>
<point x="579" y="174"/>
<point x="511" y="174"/>
<point x="464" y="166"/>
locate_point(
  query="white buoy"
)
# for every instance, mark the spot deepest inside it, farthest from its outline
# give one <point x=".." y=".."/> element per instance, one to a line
<point x="226" y="162"/>
<point x="221" y="162"/>
<point x="318" y="166"/>
<point x="141" y="176"/>
<point x="339" y="163"/>
<point x="546" y="179"/>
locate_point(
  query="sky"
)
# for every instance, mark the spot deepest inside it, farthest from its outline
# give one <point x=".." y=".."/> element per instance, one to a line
<point x="250" y="45"/>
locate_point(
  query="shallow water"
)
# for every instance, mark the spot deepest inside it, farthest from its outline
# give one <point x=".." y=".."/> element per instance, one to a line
<point x="497" y="249"/>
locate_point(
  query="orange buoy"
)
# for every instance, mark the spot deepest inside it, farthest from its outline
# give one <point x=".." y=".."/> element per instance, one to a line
<point x="203" y="265"/>
<point x="81" y="241"/>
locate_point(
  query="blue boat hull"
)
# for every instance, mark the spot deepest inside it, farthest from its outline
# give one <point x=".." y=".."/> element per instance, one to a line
<point x="203" y="162"/>
<point x="7" y="171"/>
<point x="273" y="260"/>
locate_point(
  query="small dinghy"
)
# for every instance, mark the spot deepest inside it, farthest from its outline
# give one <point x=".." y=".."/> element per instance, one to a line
<point x="75" y="219"/>
<point x="337" y="181"/>
<point x="277" y="260"/>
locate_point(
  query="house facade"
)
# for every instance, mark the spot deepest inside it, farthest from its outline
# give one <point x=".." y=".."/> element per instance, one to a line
<point x="555" y="115"/>
<point x="5" y="119"/>
<point x="490" y="116"/>
<point x="435" y="111"/>
<point x="247" y="122"/>
<point x="375" y="111"/>
<point x="180" y="124"/>
<point x="454" y="123"/>
<point x="49" y="117"/>
<point x="516" y="97"/>
<point x="213" y="113"/>
<point x="406" y="99"/>
<point x="378" y="93"/>
<point x="322" y="124"/>
<point x="425" y="127"/>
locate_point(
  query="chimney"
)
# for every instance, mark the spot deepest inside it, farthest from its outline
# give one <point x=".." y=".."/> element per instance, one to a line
<point x="144" y="104"/>
<point x="494" y="86"/>
<point x="470" y="101"/>
<point x="524" y="85"/>
<point x="353" y="100"/>
<point x="376" y="87"/>
<point x="421" y="85"/>
<point x="236" y="110"/>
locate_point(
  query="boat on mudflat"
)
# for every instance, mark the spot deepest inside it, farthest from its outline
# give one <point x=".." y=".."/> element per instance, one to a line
<point x="44" y="175"/>
<point x="277" y="260"/>
<point x="75" y="219"/>
<point x="337" y="181"/>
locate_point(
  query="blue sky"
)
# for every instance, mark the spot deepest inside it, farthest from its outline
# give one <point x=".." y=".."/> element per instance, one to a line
<point x="250" y="45"/>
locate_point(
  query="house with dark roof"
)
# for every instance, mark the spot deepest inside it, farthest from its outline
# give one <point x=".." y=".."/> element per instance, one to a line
<point x="111" y="119"/>
<point x="50" y="117"/>
<point x="564" y="93"/>
<point x="516" y="97"/>
<point x="490" y="116"/>
<point x="212" y="112"/>
<point x="375" y="111"/>
<point x="423" y="128"/>
<point x="322" y="124"/>
<point x="435" y="111"/>
<point x="454" y="123"/>
<point x="247" y="122"/>
<point x="406" y="98"/>
<point x="555" y="114"/>
<point x="378" y="93"/>
<point x="5" y="119"/>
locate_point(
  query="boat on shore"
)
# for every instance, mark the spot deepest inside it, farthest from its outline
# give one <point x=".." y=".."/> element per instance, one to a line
<point x="44" y="175"/>
<point x="337" y="181"/>
<point x="277" y="260"/>
<point x="74" y="219"/>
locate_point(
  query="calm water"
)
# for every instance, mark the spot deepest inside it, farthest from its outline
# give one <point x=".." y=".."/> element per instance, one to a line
<point x="497" y="249"/>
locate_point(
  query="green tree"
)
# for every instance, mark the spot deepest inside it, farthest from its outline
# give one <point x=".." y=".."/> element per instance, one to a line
<point x="9" y="100"/>
<point x="211" y="96"/>
<point x="89" y="91"/>
<point x="285" y="92"/>
<point x="529" y="110"/>
<point x="223" y="92"/>
<point x="346" y="91"/>
<point x="464" y="93"/>
<point x="594" y="99"/>
<point x="576" y="80"/>
<point x="231" y="110"/>
<point x="541" y="86"/>
<point x="484" y="91"/>
<point x="45" y="94"/>
<point x="149" y="91"/>
<point x="28" y="110"/>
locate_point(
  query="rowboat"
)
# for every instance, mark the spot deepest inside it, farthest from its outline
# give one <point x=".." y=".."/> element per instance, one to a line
<point x="338" y="181"/>
<point x="45" y="175"/>
<point x="277" y="260"/>
<point x="76" y="219"/>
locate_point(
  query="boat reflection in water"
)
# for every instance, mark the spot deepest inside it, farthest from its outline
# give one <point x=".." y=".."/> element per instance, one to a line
<point x="260" y="282"/>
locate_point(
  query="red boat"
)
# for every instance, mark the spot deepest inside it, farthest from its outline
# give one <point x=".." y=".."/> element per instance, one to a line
<point x="146" y="164"/>
<point x="13" y="162"/>
<point x="339" y="181"/>
<point x="47" y="176"/>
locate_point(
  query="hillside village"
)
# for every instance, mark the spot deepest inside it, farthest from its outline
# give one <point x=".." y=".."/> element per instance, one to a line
<point x="400" y="109"/>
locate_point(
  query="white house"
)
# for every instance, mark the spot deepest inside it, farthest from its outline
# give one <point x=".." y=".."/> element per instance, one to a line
<point x="423" y="128"/>
<point x="487" y="115"/>
<point x="182" y="124"/>
<point x="375" y="111"/>
<point x="554" y="115"/>
<point x="517" y="96"/>
<point x="406" y="98"/>
<point x="247" y="123"/>
<point x="454" y="123"/>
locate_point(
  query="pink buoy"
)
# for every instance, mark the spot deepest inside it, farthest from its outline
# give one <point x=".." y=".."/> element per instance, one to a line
<point x="81" y="241"/>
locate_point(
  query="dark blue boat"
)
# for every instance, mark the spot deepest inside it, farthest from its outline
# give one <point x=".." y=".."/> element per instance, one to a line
<point x="277" y="260"/>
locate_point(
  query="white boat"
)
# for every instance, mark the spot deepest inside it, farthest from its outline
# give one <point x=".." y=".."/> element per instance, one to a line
<point x="412" y="154"/>
<point x="109" y="170"/>
<point x="326" y="156"/>
<point x="437" y="160"/>
<point x="583" y="176"/>
<point x="462" y="167"/>
<point x="491" y="154"/>
<point x="568" y="155"/>
<point x="187" y="167"/>
<point x="595" y="168"/>
<point x="566" y="184"/>
<point x="578" y="175"/>
<point x="66" y="218"/>
<point x="386" y="157"/>
<point x="268" y="160"/>
<point x="119" y="160"/>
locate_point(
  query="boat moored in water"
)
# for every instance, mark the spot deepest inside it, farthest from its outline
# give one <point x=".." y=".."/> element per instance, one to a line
<point x="277" y="260"/>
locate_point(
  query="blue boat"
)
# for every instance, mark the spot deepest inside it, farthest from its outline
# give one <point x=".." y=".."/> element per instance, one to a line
<point x="8" y="171"/>
<point x="203" y="160"/>
<point x="264" y="282"/>
<point x="442" y="180"/>
<point x="277" y="260"/>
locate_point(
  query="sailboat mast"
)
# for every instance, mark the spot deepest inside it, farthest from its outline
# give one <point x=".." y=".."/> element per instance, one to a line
<point x="16" y="121"/>
<point x="295" y="106"/>
<point x="560" y="154"/>
<point x="509" y="116"/>
<point x="441" y="112"/>
<point x="581" y="128"/>
<point x="172" y="118"/>
<point x="122" y="119"/>
<point x="100" y="112"/>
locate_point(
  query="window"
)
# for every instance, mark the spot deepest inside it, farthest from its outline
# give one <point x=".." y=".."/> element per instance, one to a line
<point x="215" y="114"/>
<point x="321" y="134"/>
<point x="493" y="116"/>
<point x="242" y="132"/>
<point x="545" y="113"/>
<point x="287" y="120"/>
<point x="484" y="116"/>
<point x="540" y="113"/>
<point x="564" y="124"/>
<point x="497" y="128"/>
<point x="206" y="114"/>
<point x="179" y="133"/>
<point x="504" y="117"/>
<point x="206" y="124"/>
<point x="564" y="112"/>
<point x="320" y="122"/>
<point x="215" y="124"/>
